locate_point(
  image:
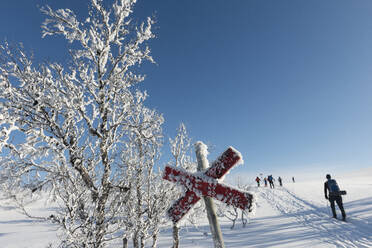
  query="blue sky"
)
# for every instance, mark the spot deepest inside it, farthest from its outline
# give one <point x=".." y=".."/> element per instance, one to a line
<point x="287" y="83"/>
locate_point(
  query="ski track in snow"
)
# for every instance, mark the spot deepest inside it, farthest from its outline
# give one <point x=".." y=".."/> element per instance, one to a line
<point x="353" y="233"/>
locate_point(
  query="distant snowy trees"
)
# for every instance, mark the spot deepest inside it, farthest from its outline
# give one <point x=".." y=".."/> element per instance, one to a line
<point x="81" y="131"/>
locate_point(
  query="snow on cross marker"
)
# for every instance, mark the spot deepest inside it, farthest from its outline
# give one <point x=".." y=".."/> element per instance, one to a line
<point x="205" y="184"/>
<point x="201" y="185"/>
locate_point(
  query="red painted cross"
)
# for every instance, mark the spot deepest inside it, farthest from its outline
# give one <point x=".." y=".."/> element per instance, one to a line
<point x="205" y="184"/>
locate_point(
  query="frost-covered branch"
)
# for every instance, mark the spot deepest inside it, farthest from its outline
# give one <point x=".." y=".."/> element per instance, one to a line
<point x="65" y="129"/>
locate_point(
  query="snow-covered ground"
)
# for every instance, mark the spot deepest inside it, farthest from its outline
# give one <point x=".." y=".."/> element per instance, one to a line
<point x="295" y="215"/>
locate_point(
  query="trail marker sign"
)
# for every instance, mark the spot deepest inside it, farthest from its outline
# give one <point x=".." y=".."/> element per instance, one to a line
<point x="206" y="185"/>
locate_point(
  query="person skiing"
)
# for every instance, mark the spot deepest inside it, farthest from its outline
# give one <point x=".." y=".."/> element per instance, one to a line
<point x="293" y="180"/>
<point x="334" y="195"/>
<point x="271" y="181"/>
<point x="258" y="181"/>
<point x="265" y="180"/>
<point x="280" y="181"/>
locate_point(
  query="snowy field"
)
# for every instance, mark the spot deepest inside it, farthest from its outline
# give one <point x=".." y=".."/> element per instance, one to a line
<point x="295" y="215"/>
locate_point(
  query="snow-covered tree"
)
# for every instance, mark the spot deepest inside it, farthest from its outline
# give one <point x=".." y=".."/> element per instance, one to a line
<point x="181" y="150"/>
<point x="139" y="213"/>
<point x="150" y="195"/>
<point x="74" y="129"/>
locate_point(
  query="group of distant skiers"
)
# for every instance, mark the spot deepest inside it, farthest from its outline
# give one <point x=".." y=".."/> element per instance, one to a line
<point x="271" y="180"/>
<point x="332" y="192"/>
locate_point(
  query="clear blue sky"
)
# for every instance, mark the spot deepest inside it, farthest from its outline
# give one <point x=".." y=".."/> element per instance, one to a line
<point x="287" y="83"/>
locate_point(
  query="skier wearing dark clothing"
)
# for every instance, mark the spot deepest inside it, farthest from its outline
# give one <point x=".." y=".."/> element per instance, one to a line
<point x="258" y="181"/>
<point x="280" y="181"/>
<point x="271" y="181"/>
<point x="265" y="180"/>
<point x="334" y="196"/>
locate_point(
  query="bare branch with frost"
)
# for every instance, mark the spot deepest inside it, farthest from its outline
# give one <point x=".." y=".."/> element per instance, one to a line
<point x="64" y="129"/>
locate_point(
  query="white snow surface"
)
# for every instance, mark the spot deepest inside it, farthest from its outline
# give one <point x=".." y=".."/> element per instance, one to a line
<point x="295" y="215"/>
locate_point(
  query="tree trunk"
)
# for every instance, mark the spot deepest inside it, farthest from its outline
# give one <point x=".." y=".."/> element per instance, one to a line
<point x="101" y="226"/>
<point x="142" y="240"/>
<point x="244" y="220"/>
<point x="135" y="241"/>
<point x="125" y="243"/>
<point x="154" y="240"/>
<point x="176" y="240"/>
<point x="233" y="224"/>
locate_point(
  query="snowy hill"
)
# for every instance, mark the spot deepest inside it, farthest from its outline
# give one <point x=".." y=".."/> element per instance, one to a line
<point x="295" y="215"/>
<point x="359" y="174"/>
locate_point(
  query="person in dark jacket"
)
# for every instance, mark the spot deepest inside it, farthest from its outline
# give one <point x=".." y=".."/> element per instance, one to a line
<point x="333" y="196"/>
<point x="258" y="181"/>
<point x="271" y="181"/>
<point x="280" y="181"/>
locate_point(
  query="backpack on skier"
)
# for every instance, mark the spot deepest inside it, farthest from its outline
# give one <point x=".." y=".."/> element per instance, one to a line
<point x="334" y="190"/>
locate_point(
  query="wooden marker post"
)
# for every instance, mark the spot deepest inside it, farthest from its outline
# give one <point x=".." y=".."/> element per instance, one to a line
<point x="201" y="151"/>
<point x="207" y="186"/>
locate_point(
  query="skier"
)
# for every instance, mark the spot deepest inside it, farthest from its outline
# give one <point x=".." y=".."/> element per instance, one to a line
<point x="293" y="179"/>
<point x="258" y="181"/>
<point x="334" y="195"/>
<point x="271" y="181"/>
<point x="280" y="181"/>
<point x="265" y="180"/>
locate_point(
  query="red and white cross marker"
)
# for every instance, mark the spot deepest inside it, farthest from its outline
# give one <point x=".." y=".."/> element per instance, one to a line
<point x="205" y="184"/>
